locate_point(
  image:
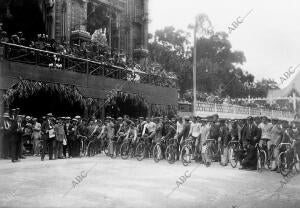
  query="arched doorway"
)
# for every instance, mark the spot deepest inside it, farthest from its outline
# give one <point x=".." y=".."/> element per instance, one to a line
<point x="124" y="103"/>
<point x="38" y="98"/>
<point x="18" y="15"/>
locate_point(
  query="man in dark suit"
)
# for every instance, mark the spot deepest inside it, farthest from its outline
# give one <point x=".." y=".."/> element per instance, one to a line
<point x="6" y="132"/>
<point x="183" y="135"/>
<point x="16" y="133"/>
<point x="251" y="132"/>
<point x="250" y="158"/>
<point x="47" y="136"/>
<point x="250" y="137"/>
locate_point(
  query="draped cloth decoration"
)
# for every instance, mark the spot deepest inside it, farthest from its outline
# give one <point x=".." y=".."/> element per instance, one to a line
<point x="27" y="88"/>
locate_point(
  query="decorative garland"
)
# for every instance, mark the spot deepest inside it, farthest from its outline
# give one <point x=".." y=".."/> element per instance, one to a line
<point x="27" y="88"/>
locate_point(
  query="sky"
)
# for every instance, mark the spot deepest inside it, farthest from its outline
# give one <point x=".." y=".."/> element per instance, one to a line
<point x="269" y="36"/>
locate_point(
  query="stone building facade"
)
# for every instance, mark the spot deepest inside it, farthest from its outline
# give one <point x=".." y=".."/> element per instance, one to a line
<point x="124" y="21"/>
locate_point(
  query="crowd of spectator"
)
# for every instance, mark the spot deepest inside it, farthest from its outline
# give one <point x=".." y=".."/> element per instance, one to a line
<point x="264" y="104"/>
<point x="91" y="51"/>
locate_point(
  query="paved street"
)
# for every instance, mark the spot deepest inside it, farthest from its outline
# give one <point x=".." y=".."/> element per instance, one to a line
<point x="128" y="183"/>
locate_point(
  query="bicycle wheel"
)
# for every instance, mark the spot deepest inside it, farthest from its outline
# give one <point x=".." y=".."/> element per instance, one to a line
<point x="283" y="164"/>
<point x="171" y="154"/>
<point x="112" y="150"/>
<point x="232" y="157"/>
<point x="261" y="158"/>
<point x="185" y="155"/>
<point x="150" y="150"/>
<point x="105" y="148"/>
<point x="125" y="149"/>
<point x="297" y="163"/>
<point x="91" y="150"/>
<point x="157" y="153"/>
<point x="140" y="151"/>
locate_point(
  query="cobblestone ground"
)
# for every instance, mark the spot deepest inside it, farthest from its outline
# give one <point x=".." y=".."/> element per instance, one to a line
<point x="104" y="182"/>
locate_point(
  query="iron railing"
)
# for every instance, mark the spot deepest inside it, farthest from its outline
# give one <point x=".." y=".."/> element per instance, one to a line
<point x="57" y="61"/>
<point x="227" y="110"/>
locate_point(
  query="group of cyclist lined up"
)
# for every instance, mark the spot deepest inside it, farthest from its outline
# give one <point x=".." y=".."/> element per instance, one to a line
<point x="253" y="142"/>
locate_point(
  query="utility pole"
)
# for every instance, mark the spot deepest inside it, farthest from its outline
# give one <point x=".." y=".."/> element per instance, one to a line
<point x="195" y="69"/>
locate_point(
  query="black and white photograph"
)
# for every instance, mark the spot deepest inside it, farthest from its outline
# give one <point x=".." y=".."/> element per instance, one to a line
<point x="149" y="104"/>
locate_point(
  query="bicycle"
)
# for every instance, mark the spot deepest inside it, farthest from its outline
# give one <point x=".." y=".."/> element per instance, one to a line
<point x="127" y="148"/>
<point x="270" y="156"/>
<point x="143" y="148"/>
<point x="158" y="150"/>
<point x="114" y="147"/>
<point x="288" y="159"/>
<point x="187" y="151"/>
<point x="212" y="150"/>
<point x="83" y="140"/>
<point x="172" y="151"/>
<point x="233" y="147"/>
<point x="261" y="158"/>
<point x="92" y="148"/>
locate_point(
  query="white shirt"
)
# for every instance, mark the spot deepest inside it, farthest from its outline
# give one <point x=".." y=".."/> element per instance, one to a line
<point x="179" y="127"/>
<point x="265" y="130"/>
<point x="195" y="129"/>
<point x="151" y="126"/>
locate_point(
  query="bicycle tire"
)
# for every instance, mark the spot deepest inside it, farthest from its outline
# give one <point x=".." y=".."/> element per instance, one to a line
<point x="283" y="165"/>
<point x="157" y="153"/>
<point x="140" y="151"/>
<point x="185" y="155"/>
<point x="91" y="151"/>
<point x="170" y="154"/>
<point x="125" y="150"/>
<point x="297" y="163"/>
<point x="105" y="148"/>
<point x="112" y="146"/>
<point x="232" y="157"/>
<point x="261" y="160"/>
<point x="150" y="150"/>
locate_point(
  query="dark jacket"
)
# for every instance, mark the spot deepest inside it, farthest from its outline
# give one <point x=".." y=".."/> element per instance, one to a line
<point x="185" y="131"/>
<point x="249" y="133"/>
<point x="45" y="128"/>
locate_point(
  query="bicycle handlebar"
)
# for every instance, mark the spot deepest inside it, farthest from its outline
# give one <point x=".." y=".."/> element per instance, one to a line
<point x="285" y="144"/>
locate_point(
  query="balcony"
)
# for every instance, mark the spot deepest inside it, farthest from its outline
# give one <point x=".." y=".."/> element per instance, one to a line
<point x="56" y="61"/>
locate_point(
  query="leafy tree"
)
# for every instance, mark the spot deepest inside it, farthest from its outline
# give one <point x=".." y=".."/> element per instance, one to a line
<point x="219" y="67"/>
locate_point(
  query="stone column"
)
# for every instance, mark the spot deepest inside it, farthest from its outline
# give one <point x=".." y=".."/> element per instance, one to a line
<point x="145" y="25"/>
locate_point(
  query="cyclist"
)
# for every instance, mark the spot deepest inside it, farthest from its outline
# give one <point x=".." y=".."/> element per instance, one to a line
<point x="149" y="131"/>
<point x="194" y="133"/>
<point x="214" y="133"/>
<point x="276" y="134"/>
<point x="185" y="131"/>
<point x="297" y="137"/>
<point x="266" y="128"/>
<point x="249" y="160"/>
<point x="118" y="125"/>
<point x="225" y="138"/>
<point x="287" y="134"/>
<point x="131" y="132"/>
<point x="203" y="137"/>
<point x="179" y="125"/>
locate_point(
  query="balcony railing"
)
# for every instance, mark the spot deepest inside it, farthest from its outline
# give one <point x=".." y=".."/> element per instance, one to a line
<point x="56" y="61"/>
<point x="233" y="111"/>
